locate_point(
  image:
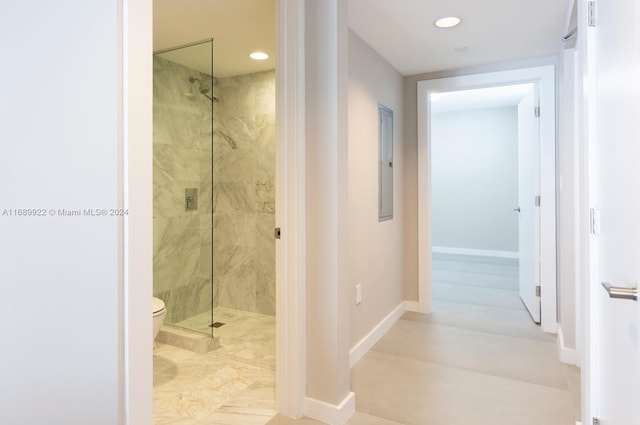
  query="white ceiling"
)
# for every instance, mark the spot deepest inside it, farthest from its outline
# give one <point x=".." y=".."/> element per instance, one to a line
<point x="402" y="31"/>
<point x="490" y="97"/>
<point x="238" y="27"/>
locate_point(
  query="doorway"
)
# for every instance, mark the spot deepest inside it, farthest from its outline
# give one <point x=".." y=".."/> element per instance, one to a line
<point x="544" y="79"/>
<point x="484" y="182"/>
<point x="214" y="160"/>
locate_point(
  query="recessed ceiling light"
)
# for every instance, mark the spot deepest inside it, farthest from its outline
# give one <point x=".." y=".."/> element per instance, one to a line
<point x="448" y="22"/>
<point x="259" y="56"/>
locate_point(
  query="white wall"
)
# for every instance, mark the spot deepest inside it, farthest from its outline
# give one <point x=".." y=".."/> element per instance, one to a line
<point x="568" y="201"/>
<point x="326" y="207"/>
<point x="376" y="249"/>
<point x="60" y="277"/>
<point x="474" y="171"/>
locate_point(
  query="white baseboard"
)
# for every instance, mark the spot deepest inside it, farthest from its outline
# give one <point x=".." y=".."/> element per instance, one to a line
<point x="329" y="413"/>
<point x="366" y="343"/>
<point x="567" y="355"/>
<point x="477" y="252"/>
<point x="415" y="306"/>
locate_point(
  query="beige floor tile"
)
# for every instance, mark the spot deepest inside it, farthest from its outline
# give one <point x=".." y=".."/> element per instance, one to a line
<point x="574" y="381"/>
<point x="506" y="356"/>
<point x="477" y="267"/>
<point x="364" y="419"/>
<point x="415" y="392"/>
<point x="470" y="260"/>
<point x="488" y="280"/>
<point x="512" y="322"/>
<point x="502" y="298"/>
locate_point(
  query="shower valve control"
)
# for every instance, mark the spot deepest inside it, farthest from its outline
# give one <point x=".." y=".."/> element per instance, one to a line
<point x="191" y="199"/>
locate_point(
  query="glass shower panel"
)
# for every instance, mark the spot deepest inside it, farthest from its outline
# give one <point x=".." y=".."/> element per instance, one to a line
<point x="183" y="103"/>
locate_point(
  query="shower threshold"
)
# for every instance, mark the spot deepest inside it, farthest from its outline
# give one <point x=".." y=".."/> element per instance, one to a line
<point x="187" y="339"/>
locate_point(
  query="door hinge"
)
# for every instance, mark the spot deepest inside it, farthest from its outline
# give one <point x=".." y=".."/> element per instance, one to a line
<point x="596" y="421"/>
<point x="538" y="201"/>
<point x="594" y="221"/>
<point x="536" y="111"/>
<point x="277" y="233"/>
<point x="538" y="291"/>
<point x="591" y="13"/>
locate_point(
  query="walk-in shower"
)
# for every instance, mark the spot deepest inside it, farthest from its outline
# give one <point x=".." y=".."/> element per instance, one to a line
<point x="214" y="192"/>
<point x="183" y="182"/>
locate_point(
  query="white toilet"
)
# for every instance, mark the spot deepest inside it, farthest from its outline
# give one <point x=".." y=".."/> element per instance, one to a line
<point x="159" y="313"/>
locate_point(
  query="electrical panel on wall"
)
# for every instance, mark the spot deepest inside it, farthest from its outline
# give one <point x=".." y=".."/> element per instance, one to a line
<point x="385" y="164"/>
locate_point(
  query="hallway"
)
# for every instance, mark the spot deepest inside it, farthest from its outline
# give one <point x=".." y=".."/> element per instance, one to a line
<point x="478" y="358"/>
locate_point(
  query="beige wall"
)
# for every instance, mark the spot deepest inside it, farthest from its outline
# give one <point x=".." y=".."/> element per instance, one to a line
<point x="376" y="249"/>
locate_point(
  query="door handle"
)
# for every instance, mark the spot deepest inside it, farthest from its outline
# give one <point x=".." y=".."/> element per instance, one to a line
<point x="622" y="293"/>
<point x="517" y="209"/>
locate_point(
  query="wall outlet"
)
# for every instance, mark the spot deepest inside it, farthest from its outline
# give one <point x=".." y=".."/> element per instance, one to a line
<point x="358" y="293"/>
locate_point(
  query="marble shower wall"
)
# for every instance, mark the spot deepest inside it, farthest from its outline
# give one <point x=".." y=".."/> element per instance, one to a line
<point x="182" y="158"/>
<point x="244" y="193"/>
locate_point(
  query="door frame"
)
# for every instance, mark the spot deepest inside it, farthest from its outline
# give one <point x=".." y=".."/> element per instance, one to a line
<point x="290" y="208"/>
<point x="136" y="380"/>
<point x="545" y="77"/>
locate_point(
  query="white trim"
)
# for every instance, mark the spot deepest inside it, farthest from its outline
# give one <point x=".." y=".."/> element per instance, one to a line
<point x="567" y="355"/>
<point x="545" y="77"/>
<point x="330" y="413"/>
<point x="137" y="192"/>
<point x="366" y="343"/>
<point x="477" y="252"/>
<point x="414" y="306"/>
<point x="290" y="209"/>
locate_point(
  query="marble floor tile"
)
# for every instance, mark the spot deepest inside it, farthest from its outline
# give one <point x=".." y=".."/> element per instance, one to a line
<point x="245" y="336"/>
<point x="168" y="357"/>
<point x="225" y="386"/>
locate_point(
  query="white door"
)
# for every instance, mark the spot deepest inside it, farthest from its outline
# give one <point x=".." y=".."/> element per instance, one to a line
<point x="529" y="213"/>
<point x="614" y="184"/>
